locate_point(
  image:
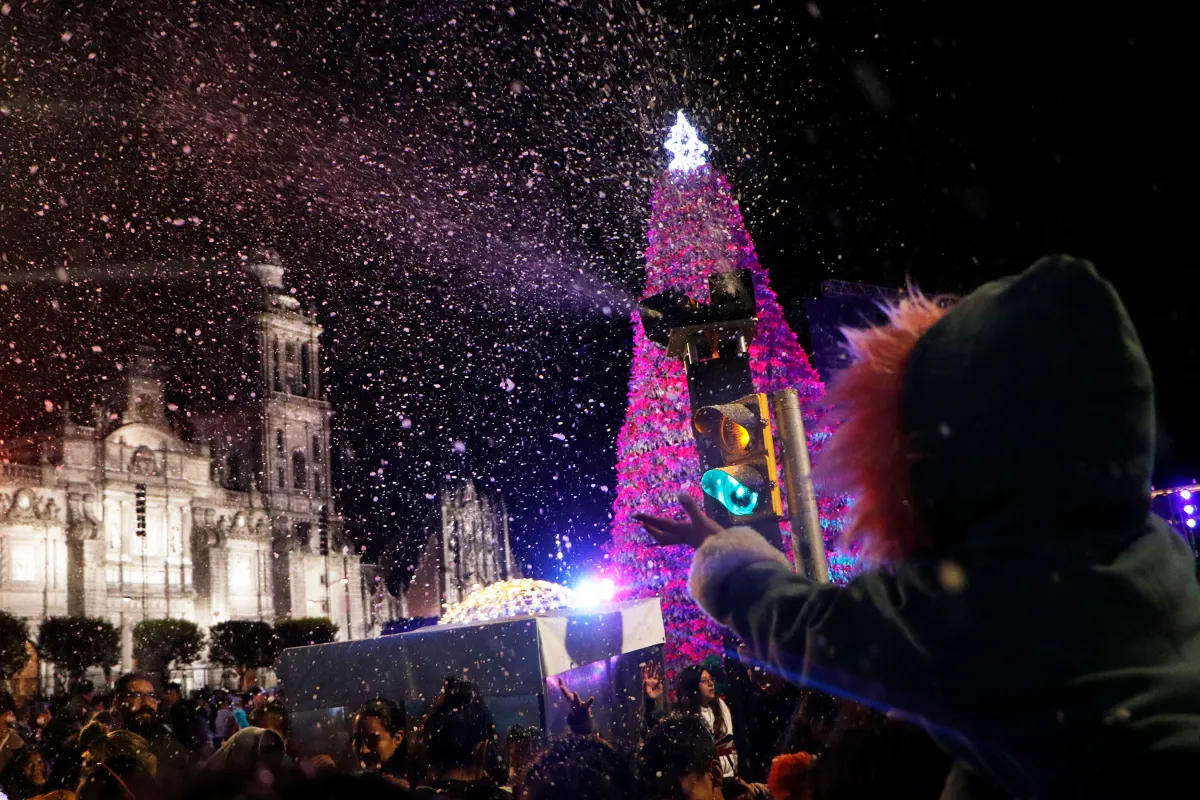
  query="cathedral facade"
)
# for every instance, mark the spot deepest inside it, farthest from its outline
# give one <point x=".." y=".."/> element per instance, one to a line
<point x="238" y="520"/>
<point x="470" y="551"/>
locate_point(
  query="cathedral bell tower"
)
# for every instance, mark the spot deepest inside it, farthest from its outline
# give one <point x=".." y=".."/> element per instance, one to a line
<point x="144" y="390"/>
<point x="293" y="454"/>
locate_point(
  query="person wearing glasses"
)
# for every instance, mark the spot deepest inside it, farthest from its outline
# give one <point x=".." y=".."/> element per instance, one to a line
<point x="696" y="690"/>
<point x="135" y="707"/>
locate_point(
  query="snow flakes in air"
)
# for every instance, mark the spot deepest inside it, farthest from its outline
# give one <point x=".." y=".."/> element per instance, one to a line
<point x="419" y="239"/>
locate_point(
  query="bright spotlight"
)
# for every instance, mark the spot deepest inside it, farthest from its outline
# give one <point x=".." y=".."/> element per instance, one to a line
<point x="591" y="592"/>
<point x="1185" y="495"/>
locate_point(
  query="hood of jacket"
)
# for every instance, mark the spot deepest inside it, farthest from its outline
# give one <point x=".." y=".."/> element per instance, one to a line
<point x="1031" y="399"/>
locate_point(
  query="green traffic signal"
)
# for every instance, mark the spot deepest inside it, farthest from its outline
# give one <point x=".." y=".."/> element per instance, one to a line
<point x="738" y="498"/>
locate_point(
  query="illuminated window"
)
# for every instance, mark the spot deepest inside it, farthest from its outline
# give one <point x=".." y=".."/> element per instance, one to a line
<point x="241" y="573"/>
<point x="24" y="562"/>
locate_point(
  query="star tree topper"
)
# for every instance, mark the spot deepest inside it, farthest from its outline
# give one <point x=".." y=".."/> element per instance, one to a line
<point x="687" y="151"/>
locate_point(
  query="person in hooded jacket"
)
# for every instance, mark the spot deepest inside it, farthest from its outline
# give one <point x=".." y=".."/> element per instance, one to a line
<point x="1027" y="607"/>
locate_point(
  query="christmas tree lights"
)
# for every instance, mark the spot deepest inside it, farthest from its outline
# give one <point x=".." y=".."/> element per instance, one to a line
<point x="696" y="230"/>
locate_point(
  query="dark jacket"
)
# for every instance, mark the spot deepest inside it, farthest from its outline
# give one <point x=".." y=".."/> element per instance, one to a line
<point x="1051" y="633"/>
<point x="759" y="720"/>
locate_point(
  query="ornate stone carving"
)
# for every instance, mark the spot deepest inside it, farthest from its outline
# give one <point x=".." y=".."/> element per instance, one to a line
<point x="144" y="462"/>
<point x="83" y="523"/>
<point x="27" y="506"/>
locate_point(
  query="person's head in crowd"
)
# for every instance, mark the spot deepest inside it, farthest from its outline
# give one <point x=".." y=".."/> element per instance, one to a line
<point x="457" y="733"/>
<point x="173" y="693"/>
<point x="696" y="689"/>
<point x="255" y="697"/>
<point x="273" y="716"/>
<point x="790" y="776"/>
<point x="119" y="778"/>
<point x="522" y="746"/>
<point x="101" y="746"/>
<point x="105" y="718"/>
<point x="716" y="670"/>
<point x="84" y="688"/>
<point x="136" y="703"/>
<point x="8" y="709"/>
<point x="27" y="774"/>
<point x="248" y="750"/>
<point x="880" y="760"/>
<point x="117" y="765"/>
<point x="579" y="768"/>
<point x="380" y="736"/>
<point x="679" y="759"/>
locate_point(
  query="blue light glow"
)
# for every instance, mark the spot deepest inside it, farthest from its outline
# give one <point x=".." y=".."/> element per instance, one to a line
<point x="1185" y="495"/>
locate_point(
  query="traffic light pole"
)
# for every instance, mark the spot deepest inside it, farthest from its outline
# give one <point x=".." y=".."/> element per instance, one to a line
<point x="808" y="547"/>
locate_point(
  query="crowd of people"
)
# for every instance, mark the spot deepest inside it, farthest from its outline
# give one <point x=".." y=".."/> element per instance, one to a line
<point x="724" y="729"/>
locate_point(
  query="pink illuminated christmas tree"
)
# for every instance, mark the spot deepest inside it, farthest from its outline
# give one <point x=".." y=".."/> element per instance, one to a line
<point x="696" y="230"/>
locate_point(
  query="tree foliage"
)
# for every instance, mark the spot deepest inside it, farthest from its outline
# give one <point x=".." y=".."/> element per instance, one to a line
<point x="303" y="631"/>
<point x="162" y="644"/>
<point x="241" y="645"/>
<point x="14" y="640"/>
<point x="75" y="643"/>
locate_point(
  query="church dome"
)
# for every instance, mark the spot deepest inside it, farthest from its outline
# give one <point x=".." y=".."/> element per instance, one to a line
<point x="512" y="598"/>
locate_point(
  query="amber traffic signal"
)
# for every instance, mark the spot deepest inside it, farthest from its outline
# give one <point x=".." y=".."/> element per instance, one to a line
<point x="747" y="482"/>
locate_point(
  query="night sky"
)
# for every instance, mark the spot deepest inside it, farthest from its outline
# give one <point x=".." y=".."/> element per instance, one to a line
<point x="460" y="190"/>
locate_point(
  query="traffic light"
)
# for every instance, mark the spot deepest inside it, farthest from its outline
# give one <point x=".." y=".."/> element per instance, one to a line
<point x="323" y="529"/>
<point x="746" y="483"/>
<point x="139" y="505"/>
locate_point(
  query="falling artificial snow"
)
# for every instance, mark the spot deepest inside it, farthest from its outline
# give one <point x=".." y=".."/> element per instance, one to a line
<point x="696" y="230"/>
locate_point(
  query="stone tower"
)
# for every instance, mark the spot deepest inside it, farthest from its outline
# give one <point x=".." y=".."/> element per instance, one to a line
<point x="475" y="548"/>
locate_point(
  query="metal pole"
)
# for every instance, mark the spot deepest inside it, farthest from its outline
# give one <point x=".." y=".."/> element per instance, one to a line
<point x="167" y="533"/>
<point x="346" y="584"/>
<point x="807" y="543"/>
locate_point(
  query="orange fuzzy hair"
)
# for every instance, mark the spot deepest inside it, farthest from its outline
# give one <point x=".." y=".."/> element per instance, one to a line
<point x="869" y="453"/>
<point x="789" y="776"/>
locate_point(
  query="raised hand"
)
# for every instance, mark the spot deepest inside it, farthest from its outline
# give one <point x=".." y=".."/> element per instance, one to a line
<point x="691" y="532"/>
<point x="579" y="718"/>
<point x="652" y="682"/>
